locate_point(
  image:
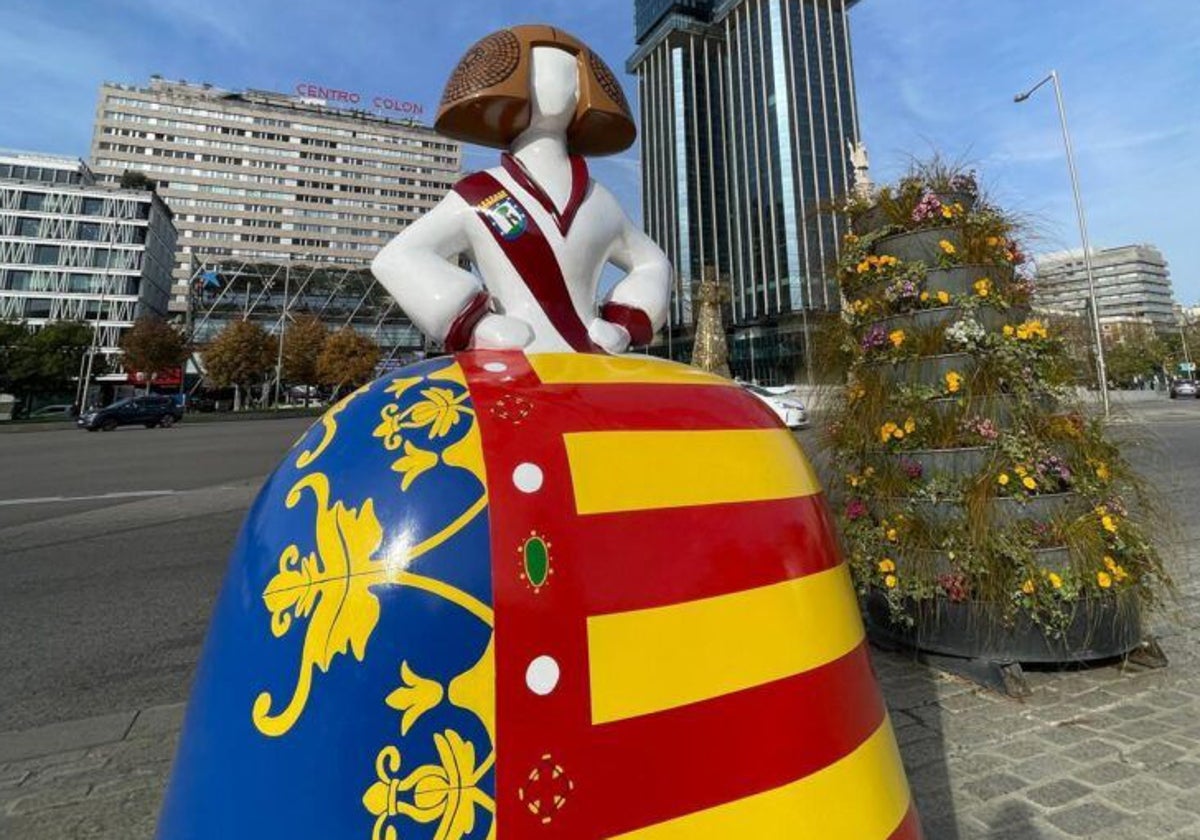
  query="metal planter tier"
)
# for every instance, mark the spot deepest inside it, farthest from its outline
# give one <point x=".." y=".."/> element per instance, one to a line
<point x="951" y="463"/>
<point x="927" y="369"/>
<point x="989" y="317"/>
<point x="968" y="639"/>
<point x="1002" y="510"/>
<point x="918" y="245"/>
<point x="869" y="221"/>
<point x="960" y="280"/>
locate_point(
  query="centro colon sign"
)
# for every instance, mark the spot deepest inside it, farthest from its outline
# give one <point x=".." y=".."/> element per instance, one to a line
<point x="349" y="97"/>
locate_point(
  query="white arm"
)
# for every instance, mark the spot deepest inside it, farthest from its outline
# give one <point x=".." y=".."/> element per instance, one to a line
<point x="646" y="286"/>
<point x="419" y="268"/>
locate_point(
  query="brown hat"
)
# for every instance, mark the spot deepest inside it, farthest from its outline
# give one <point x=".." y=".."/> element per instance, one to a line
<point x="486" y="100"/>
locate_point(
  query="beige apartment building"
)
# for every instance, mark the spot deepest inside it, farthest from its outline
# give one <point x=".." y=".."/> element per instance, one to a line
<point x="261" y="177"/>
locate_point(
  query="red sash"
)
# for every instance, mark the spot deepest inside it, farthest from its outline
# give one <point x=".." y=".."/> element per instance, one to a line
<point x="523" y="242"/>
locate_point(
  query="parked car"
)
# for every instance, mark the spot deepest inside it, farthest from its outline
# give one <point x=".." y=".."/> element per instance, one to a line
<point x="788" y="408"/>
<point x="1184" y="388"/>
<point x="52" y="411"/>
<point x="149" y="411"/>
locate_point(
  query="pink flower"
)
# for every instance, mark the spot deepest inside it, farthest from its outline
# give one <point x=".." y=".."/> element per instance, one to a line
<point x="856" y="509"/>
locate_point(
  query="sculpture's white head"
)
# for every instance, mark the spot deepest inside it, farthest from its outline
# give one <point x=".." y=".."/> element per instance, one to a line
<point x="553" y="90"/>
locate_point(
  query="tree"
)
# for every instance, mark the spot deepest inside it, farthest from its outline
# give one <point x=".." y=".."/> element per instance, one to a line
<point x="1137" y="353"/>
<point x="13" y="340"/>
<point x="132" y="179"/>
<point x="239" y="356"/>
<point x="348" y="359"/>
<point x="152" y="346"/>
<point x="302" y="345"/>
<point x="46" y="361"/>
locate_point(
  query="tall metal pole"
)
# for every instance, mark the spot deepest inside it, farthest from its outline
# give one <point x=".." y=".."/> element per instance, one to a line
<point x="1101" y="367"/>
<point x="287" y="280"/>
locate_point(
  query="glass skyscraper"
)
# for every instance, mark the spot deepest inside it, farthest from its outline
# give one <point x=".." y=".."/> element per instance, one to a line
<point x="747" y="110"/>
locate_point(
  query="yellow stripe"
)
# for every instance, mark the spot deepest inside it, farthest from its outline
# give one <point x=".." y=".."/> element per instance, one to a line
<point x="649" y="660"/>
<point x="863" y="796"/>
<point x="618" y="471"/>
<point x="594" y="369"/>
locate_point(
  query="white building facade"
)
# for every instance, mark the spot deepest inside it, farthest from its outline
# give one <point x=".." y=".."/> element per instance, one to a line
<point x="72" y="250"/>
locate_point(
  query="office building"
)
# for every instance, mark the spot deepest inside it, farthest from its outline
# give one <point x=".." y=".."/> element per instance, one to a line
<point x="73" y="250"/>
<point x="747" y="110"/>
<point x="1133" y="286"/>
<point x="256" y="177"/>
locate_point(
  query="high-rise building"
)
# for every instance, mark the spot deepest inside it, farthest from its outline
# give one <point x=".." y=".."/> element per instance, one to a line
<point x="747" y="110"/>
<point x="1132" y="282"/>
<point x="261" y="177"/>
<point x="72" y="250"/>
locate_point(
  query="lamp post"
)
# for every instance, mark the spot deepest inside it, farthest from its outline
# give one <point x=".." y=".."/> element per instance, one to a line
<point x="1101" y="370"/>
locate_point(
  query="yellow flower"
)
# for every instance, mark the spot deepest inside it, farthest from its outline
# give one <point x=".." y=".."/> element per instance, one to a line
<point x="898" y="433"/>
<point x="1027" y="587"/>
<point x="953" y="381"/>
<point x="910" y="425"/>
<point x="947" y="213"/>
<point x="853" y="480"/>
<point x="890" y="581"/>
<point x="1120" y="574"/>
<point x="1008" y="330"/>
<point x="1102" y="472"/>
<point x="946" y="246"/>
<point x="896" y="337"/>
<point x="887" y="430"/>
<point x="1021" y="470"/>
<point x="887" y="566"/>
<point x="1003" y="479"/>
<point x="1109" y="523"/>
<point x="869" y="471"/>
<point x="983" y="287"/>
<point x="1104" y="579"/>
<point x="862" y="267"/>
<point x="891" y="535"/>
<point x="1029" y="483"/>
<point x="993" y="241"/>
<point x="943" y="296"/>
<point x="924" y="297"/>
<point x="1055" y="580"/>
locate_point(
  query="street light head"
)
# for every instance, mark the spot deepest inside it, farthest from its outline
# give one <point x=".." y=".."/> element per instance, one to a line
<point x="1020" y="97"/>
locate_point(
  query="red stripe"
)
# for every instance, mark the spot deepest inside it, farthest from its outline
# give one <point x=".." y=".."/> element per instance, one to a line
<point x="635" y="321"/>
<point x="533" y="260"/>
<point x="658" y="557"/>
<point x="685" y="760"/>
<point x="910" y="828"/>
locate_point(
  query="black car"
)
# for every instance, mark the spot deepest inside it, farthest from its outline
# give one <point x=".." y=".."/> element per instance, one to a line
<point x="150" y="411"/>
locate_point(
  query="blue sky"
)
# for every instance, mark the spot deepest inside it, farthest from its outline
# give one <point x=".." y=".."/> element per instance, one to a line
<point x="931" y="75"/>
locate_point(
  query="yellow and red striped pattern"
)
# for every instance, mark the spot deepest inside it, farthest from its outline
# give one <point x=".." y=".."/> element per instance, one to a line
<point x="715" y="678"/>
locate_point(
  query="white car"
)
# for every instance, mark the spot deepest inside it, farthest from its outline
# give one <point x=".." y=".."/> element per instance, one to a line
<point x="783" y="401"/>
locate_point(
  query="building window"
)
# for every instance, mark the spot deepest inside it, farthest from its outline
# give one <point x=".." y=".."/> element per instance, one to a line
<point x="27" y="226"/>
<point x="18" y="281"/>
<point x="92" y="206"/>
<point x="45" y="255"/>
<point x="89" y="231"/>
<point x="38" y="308"/>
<point x="32" y="201"/>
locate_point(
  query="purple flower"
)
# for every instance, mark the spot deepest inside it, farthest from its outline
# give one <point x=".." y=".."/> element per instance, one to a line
<point x="912" y="469"/>
<point x="874" y="338"/>
<point x="929" y="207"/>
<point x="856" y="509"/>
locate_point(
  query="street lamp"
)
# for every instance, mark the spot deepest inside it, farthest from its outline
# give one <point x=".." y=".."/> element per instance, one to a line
<point x="1101" y="371"/>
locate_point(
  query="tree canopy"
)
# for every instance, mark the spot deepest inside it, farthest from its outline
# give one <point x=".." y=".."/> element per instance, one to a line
<point x="152" y="346"/>
<point x="348" y="359"/>
<point x="302" y="345"/>
<point x="240" y="355"/>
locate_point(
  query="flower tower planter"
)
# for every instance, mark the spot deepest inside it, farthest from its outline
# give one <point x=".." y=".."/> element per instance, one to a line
<point x="988" y="521"/>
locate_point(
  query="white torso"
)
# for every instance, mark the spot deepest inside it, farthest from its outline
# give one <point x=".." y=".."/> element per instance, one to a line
<point x="581" y="254"/>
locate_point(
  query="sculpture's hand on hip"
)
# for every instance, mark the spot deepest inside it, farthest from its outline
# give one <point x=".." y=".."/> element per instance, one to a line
<point x="502" y="332"/>
<point x="612" y="338"/>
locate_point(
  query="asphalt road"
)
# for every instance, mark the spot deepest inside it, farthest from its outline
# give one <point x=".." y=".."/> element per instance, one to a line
<point x="104" y="600"/>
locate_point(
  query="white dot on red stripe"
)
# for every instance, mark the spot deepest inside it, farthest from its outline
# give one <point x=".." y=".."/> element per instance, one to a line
<point x="542" y="675"/>
<point x="528" y="477"/>
<point x="495" y="367"/>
